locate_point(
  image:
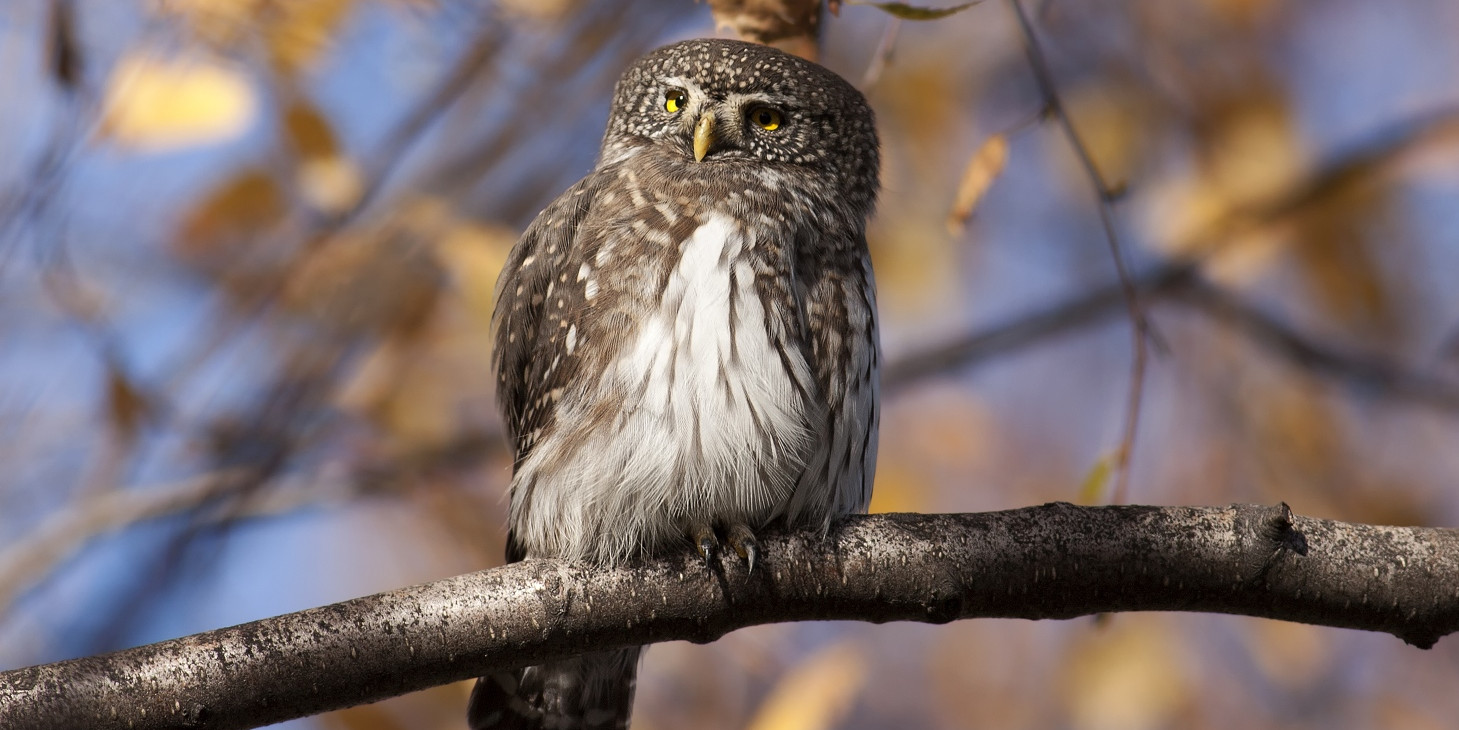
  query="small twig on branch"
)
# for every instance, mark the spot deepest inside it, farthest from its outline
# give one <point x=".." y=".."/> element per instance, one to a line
<point x="882" y="56"/>
<point x="1054" y="561"/>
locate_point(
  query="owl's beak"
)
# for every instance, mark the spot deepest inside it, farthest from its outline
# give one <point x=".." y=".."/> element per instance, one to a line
<point x="703" y="136"/>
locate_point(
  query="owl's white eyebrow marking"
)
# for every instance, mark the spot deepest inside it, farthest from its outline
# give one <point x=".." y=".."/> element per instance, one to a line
<point x="776" y="100"/>
<point x="683" y="83"/>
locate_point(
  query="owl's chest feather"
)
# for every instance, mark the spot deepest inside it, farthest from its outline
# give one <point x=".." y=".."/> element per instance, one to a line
<point x="712" y="364"/>
<point x="704" y="414"/>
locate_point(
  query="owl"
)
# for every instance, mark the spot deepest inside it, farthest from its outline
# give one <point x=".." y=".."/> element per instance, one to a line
<point x="686" y="339"/>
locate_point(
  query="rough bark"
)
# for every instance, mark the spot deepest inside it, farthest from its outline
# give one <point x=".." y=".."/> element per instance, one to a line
<point x="1053" y="561"/>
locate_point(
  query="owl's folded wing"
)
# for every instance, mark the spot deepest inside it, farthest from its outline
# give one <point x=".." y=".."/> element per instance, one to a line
<point x="523" y="297"/>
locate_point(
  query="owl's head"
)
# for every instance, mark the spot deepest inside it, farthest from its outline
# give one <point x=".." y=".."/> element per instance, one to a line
<point x="720" y="102"/>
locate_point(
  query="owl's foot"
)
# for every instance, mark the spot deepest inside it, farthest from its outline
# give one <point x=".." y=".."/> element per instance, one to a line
<point x="740" y="539"/>
<point x="744" y="543"/>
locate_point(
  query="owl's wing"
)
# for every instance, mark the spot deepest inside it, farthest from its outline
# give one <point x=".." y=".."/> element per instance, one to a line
<point x="840" y="311"/>
<point x="524" y="354"/>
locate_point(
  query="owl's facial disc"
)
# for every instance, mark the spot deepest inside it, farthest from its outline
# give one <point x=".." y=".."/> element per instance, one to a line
<point x="721" y="125"/>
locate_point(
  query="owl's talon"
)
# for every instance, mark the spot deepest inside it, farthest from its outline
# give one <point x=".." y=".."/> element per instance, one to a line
<point x="704" y="541"/>
<point x="745" y="544"/>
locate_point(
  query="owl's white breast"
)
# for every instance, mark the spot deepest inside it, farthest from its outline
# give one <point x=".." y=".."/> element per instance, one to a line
<point x="711" y="421"/>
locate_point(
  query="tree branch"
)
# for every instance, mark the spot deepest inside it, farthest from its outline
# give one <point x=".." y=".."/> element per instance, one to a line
<point x="65" y="532"/>
<point x="1053" y="561"/>
<point x="1361" y="158"/>
<point x="1068" y="316"/>
<point x="1180" y="283"/>
<point x="1360" y="370"/>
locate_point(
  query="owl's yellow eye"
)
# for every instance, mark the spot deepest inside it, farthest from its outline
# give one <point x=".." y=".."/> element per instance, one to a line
<point x="674" y="100"/>
<point x="765" y="118"/>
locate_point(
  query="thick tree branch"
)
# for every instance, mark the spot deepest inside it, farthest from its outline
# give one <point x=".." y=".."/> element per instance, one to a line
<point x="1053" y="561"/>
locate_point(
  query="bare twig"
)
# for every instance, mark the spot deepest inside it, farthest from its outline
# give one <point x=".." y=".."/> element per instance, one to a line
<point x="481" y="51"/>
<point x="63" y="534"/>
<point x="1055" y="561"/>
<point x="883" y="54"/>
<point x="1140" y="324"/>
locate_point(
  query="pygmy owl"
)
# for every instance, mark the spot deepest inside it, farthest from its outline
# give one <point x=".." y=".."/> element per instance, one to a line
<point x="686" y="339"/>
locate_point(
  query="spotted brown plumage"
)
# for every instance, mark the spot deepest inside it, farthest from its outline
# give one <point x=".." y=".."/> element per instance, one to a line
<point x="686" y="342"/>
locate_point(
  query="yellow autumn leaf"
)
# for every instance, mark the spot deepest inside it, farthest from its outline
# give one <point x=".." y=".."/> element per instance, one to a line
<point x="1295" y="657"/>
<point x="1179" y="213"/>
<point x="308" y="130"/>
<point x="542" y="11"/>
<point x="898" y="489"/>
<point x="1096" y="482"/>
<point x="1247" y="13"/>
<point x="1245" y="256"/>
<point x="1127" y="678"/>
<point x="231" y="215"/>
<point x="404" y="388"/>
<point x="817" y="693"/>
<point x="474" y="253"/>
<point x="1115" y="125"/>
<point x="155" y="105"/>
<point x="219" y="24"/>
<point x="914" y="12"/>
<point x="1256" y="153"/>
<point x="1400" y="713"/>
<point x="331" y="184"/>
<point x="978" y="176"/>
<point x="303" y="30"/>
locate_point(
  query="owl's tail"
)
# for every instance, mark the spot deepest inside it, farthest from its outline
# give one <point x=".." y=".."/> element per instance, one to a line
<point x="588" y="692"/>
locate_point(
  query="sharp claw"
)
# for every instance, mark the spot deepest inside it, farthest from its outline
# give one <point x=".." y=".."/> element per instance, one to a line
<point x="705" y="542"/>
<point x="744" y="543"/>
